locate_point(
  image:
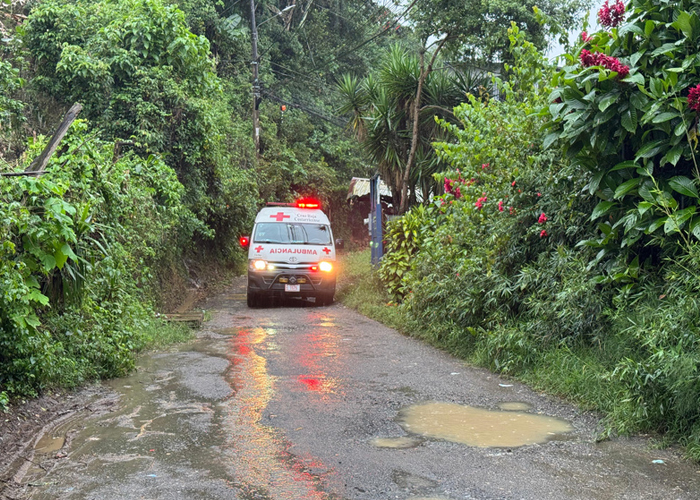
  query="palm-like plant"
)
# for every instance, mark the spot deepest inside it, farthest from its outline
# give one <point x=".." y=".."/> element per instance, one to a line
<point x="382" y="109"/>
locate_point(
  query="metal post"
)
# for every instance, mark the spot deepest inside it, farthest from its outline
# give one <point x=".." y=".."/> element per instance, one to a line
<point x="375" y="220"/>
<point x="256" y="81"/>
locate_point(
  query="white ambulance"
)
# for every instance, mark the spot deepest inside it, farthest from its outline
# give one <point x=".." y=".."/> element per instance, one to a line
<point x="291" y="253"/>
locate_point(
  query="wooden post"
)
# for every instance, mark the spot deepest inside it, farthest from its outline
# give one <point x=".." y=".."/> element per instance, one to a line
<point x="39" y="164"/>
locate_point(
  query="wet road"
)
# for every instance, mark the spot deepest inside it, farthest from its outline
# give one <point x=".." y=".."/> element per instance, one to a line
<point x="305" y="402"/>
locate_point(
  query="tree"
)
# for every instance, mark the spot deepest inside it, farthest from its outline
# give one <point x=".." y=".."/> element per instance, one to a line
<point x="382" y="110"/>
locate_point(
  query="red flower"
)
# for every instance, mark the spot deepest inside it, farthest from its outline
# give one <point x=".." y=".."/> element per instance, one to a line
<point x="542" y="219"/>
<point x="500" y="206"/>
<point x="694" y="98"/>
<point x="543" y="234"/>
<point x="589" y="59"/>
<point x="539" y="194"/>
<point x="585" y="37"/>
<point x="458" y="193"/>
<point x="611" y="17"/>
<point x="511" y="211"/>
<point x="512" y="183"/>
<point x="484" y="166"/>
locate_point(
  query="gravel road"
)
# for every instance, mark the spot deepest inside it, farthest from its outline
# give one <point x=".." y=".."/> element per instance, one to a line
<point x="296" y="401"/>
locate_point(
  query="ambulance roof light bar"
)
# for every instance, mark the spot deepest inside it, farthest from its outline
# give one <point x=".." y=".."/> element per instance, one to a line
<point x="300" y="203"/>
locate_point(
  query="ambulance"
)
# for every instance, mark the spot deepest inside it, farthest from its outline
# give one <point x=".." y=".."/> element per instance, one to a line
<point x="291" y="253"/>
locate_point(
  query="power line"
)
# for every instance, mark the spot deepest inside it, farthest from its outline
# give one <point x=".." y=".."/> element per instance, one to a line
<point x="304" y="108"/>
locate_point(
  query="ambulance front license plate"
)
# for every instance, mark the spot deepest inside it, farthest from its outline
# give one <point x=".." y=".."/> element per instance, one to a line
<point x="292" y="288"/>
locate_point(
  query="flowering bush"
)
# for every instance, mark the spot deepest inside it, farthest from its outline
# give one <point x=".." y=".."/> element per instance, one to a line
<point x="611" y="17"/>
<point x="589" y="59"/>
<point x="634" y="135"/>
<point x="694" y="98"/>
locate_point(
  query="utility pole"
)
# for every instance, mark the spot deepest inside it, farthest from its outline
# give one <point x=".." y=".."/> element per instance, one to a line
<point x="256" y="81"/>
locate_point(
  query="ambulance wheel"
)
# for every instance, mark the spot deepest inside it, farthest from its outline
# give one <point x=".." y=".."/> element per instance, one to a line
<point x="324" y="299"/>
<point x="252" y="299"/>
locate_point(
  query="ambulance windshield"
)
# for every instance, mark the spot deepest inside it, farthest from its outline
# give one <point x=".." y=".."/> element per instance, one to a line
<point x="299" y="234"/>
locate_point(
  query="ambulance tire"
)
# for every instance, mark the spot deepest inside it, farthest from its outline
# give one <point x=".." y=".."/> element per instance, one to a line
<point x="324" y="299"/>
<point x="253" y="299"/>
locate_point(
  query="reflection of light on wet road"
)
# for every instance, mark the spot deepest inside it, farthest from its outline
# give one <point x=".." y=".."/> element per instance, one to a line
<point x="258" y="453"/>
<point x="314" y="352"/>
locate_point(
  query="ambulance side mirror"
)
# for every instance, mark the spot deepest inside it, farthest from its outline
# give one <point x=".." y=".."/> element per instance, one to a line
<point x="244" y="241"/>
<point x="339" y="244"/>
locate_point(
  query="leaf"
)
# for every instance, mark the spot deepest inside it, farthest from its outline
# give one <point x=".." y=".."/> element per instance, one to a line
<point x="664" y="117"/>
<point x="656" y="225"/>
<point x="60" y="258"/>
<point x="32" y="320"/>
<point x="643" y="207"/>
<point x="607" y="100"/>
<point x="650" y="148"/>
<point x="595" y="182"/>
<point x="626" y="187"/>
<point x="601" y="209"/>
<point x="637" y="78"/>
<point x="673" y="156"/>
<point x="625" y="164"/>
<point x="683" y="23"/>
<point x="37" y="296"/>
<point x="49" y="261"/>
<point x="684" y="186"/>
<point x="550" y="139"/>
<point x="629" y="120"/>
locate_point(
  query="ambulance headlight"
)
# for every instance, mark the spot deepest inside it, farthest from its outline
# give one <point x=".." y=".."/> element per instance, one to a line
<point x="326" y="267"/>
<point x="258" y="265"/>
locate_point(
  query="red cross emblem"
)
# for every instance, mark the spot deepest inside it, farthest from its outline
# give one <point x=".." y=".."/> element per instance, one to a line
<point x="327" y="250"/>
<point x="280" y="216"/>
<point x="259" y="249"/>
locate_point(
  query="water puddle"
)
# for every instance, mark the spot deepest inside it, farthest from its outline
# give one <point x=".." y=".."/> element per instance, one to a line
<point x="514" y="406"/>
<point x="479" y="427"/>
<point x="49" y="443"/>
<point x="396" y="442"/>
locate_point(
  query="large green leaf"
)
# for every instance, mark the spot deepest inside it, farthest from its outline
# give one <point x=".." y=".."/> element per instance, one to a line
<point x="601" y="209"/>
<point x="626" y="187"/>
<point x="684" y="186"/>
<point x="629" y="119"/>
<point x="651" y="148"/>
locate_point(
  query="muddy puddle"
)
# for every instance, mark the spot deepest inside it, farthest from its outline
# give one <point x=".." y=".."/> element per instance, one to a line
<point x="480" y="427"/>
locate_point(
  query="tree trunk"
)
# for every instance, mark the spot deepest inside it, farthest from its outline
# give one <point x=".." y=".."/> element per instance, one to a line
<point x="424" y="72"/>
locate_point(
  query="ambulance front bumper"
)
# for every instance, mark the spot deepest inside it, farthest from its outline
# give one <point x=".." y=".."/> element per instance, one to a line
<point x="291" y="280"/>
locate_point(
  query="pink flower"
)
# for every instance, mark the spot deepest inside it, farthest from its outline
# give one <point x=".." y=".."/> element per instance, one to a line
<point x="458" y="193"/>
<point x="542" y="219"/>
<point x="611" y="17"/>
<point x="585" y="37"/>
<point x="512" y="183"/>
<point x="694" y="98"/>
<point x="511" y="211"/>
<point x="589" y="59"/>
<point x="543" y="234"/>
<point x="539" y="194"/>
<point x="484" y="166"/>
<point x="500" y="206"/>
<point x="478" y="205"/>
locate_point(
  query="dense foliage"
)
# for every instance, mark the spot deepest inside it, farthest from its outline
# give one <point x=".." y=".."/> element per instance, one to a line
<point x="514" y="261"/>
<point x="77" y="245"/>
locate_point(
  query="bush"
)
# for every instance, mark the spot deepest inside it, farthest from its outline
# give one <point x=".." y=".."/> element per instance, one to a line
<point x="81" y="244"/>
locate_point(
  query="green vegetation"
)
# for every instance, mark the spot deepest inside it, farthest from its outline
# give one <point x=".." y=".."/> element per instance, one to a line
<point x="159" y="176"/>
<point x="564" y="249"/>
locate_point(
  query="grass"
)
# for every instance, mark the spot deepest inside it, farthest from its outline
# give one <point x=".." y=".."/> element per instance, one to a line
<point x="580" y="375"/>
<point x="359" y="288"/>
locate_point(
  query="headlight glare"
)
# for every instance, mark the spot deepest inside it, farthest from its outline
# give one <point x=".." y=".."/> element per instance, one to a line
<point x="326" y="266"/>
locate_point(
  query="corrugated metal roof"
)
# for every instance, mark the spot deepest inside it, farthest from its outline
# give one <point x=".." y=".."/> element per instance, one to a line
<point x="359" y="186"/>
